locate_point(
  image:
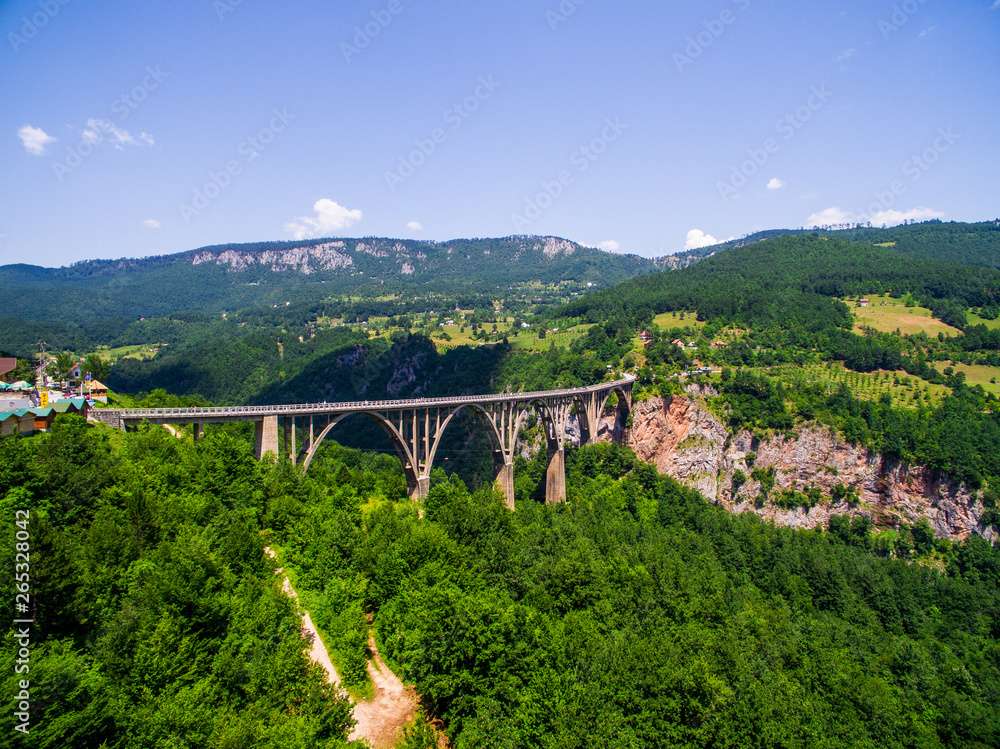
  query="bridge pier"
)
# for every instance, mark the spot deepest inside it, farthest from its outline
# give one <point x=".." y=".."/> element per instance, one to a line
<point x="289" y="425"/>
<point x="420" y="487"/>
<point x="266" y="436"/>
<point x="555" y="477"/>
<point x="416" y="426"/>
<point x="505" y="483"/>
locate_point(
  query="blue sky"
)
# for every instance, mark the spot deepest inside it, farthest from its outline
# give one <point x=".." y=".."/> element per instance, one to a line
<point x="131" y="129"/>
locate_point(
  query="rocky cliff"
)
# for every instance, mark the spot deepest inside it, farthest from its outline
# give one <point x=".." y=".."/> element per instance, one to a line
<point x="685" y="440"/>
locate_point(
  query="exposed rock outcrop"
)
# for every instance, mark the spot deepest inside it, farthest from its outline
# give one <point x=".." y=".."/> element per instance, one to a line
<point x="305" y="260"/>
<point x="685" y="440"/>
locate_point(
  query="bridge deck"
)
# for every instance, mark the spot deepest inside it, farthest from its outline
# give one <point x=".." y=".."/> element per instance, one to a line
<point x="237" y="413"/>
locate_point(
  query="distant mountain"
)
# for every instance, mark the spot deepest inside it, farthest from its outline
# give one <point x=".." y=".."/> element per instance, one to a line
<point x="968" y="243"/>
<point x="798" y="274"/>
<point x="97" y="299"/>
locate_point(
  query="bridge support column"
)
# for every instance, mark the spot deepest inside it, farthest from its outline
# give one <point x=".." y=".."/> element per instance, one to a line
<point x="505" y="483"/>
<point x="266" y="436"/>
<point x="289" y="425"/>
<point x="420" y="487"/>
<point x="197" y="430"/>
<point x="555" y="477"/>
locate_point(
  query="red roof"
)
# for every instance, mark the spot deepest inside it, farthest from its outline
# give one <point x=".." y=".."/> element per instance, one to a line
<point x="7" y="364"/>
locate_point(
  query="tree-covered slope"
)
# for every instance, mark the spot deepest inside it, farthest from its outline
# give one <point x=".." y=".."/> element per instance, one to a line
<point x="788" y="279"/>
<point x="157" y="619"/>
<point x="952" y="241"/>
<point x="103" y="296"/>
<point x="639" y="615"/>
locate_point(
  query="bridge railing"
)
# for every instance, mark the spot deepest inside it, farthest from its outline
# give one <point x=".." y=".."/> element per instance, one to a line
<point x="376" y="405"/>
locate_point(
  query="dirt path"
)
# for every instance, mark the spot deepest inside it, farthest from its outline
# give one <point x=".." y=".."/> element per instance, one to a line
<point x="380" y="720"/>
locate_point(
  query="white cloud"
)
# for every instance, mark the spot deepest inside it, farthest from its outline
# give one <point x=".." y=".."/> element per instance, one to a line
<point x="892" y="217"/>
<point x="996" y="5"/>
<point x="328" y="217"/>
<point x="98" y="130"/>
<point x="34" y="139"/>
<point x="414" y="226"/>
<point x="609" y="245"/>
<point x="151" y="223"/>
<point x="775" y="184"/>
<point x="924" y="33"/>
<point x="697" y="238"/>
<point x="830" y="216"/>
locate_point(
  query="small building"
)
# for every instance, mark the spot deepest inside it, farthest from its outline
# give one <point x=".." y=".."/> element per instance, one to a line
<point x="9" y="424"/>
<point x="95" y="390"/>
<point x="645" y="337"/>
<point x="13" y="403"/>
<point x="678" y="343"/>
<point x="7" y="365"/>
<point x="863" y="302"/>
<point x="36" y="419"/>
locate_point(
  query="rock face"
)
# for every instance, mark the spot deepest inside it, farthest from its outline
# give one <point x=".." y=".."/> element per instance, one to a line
<point x="683" y="439"/>
<point x="305" y="260"/>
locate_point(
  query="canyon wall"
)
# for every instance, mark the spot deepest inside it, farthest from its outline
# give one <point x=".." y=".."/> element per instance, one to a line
<point x="685" y="440"/>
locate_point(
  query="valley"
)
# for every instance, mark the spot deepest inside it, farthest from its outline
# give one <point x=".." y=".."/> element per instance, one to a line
<point x="523" y="375"/>
<point x="792" y="459"/>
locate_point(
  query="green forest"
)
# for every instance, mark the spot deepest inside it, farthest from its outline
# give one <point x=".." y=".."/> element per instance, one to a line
<point x="635" y="615"/>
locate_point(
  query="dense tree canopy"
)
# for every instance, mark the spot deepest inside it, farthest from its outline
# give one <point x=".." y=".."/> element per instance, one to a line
<point x="639" y="615"/>
<point x="158" y="622"/>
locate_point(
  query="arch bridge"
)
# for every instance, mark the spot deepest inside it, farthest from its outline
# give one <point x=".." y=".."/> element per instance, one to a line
<point x="416" y="426"/>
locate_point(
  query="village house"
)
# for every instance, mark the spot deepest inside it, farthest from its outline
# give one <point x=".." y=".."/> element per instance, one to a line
<point x="38" y="419"/>
<point x="95" y="390"/>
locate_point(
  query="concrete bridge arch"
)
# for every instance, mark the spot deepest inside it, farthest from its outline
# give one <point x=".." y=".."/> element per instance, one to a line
<point x="417" y="426"/>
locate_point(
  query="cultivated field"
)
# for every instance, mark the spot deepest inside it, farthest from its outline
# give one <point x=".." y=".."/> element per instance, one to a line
<point x="141" y="351"/>
<point x="528" y="340"/>
<point x="975" y="319"/>
<point x="668" y="320"/>
<point x="889" y="315"/>
<point x="905" y="389"/>
<point x="977" y="374"/>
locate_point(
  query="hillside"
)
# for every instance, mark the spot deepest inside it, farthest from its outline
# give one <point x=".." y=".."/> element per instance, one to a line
<point x="967" y="243"/>
<point x="95" y="300"/>
<point x="796" y="275"/>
